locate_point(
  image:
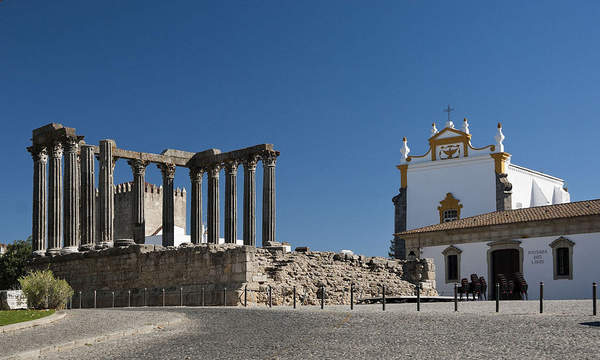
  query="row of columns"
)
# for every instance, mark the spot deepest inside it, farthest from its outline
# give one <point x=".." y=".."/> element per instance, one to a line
<point x="78" y="200"/>
<point x="249" y="212"/>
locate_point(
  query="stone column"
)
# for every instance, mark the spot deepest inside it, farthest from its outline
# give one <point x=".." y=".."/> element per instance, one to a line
<point x="213" y="204"/>
<point x="106" y="192"/>
<point x="231" y="201"/>
<point x="138" y="167"/>
<point x="38" y="229"/>
<point x="168" y="210"/>
<point x="268" y="218"/>
<point x="196" y="205"/>
<point x="250" y="200"/>
<point x="54" y="199"/>
<point x="71" y="197"/>
<point x="88" y="198"/>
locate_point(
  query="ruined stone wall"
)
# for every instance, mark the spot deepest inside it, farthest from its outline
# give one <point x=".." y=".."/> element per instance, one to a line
<point x="203" y="271"/>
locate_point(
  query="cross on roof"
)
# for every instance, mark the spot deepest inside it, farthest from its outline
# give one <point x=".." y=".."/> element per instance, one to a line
<point x="448" y="110"/>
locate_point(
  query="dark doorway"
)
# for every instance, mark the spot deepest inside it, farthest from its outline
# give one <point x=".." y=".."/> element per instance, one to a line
<point x="504" y="262"/>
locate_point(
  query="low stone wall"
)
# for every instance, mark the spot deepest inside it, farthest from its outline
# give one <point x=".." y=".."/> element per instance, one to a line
<point x="218" y="274"/>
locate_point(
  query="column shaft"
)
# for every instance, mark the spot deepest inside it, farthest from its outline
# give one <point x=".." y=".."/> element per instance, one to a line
<point x="55" y="199"/>
<point x="250" y="201"/>
<point x="71" y="197"/>
<point x="106" y="192"/>
<point x="138" y="167"/>
<point x="88" y="198"/>
<point x="38" y="231"/>
<point x="231" y="201"/>
<point x="196" y="205"/>
<point x="213" y="204"/>
<point x="268" y="218"/>
<point x="168" y="210"/>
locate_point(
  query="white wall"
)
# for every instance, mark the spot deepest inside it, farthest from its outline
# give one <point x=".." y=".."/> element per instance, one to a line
<point x="181" y="237"/>
<point x="522" y="181"/>
<point x="586" y="269"/>
<point x="470" y="180"/>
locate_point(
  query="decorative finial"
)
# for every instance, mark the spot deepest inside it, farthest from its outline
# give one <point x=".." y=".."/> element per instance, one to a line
<point x="404" y="151"/>
<point x="434" y="130"/>
<point x="465" y="127"/>
<point x="499" y="139"/>
<point x="449" y="123"/>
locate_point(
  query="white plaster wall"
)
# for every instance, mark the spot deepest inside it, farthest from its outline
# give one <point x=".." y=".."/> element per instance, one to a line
<point x="181" y="237"/>
<point x="471" y="262"/>
<point x="521" y="179"/>
<point x="585" y="266"/>
<point x="470" y="180"/>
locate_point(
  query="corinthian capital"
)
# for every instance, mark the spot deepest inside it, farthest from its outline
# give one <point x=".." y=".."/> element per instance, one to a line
<point x="269" y="158"/>
<point x="213" y="170"/>
<point x="138" y="167"/>
<point x="196" y="174"/>
<point x="57" y="150"/>
<point x="231" y="166"/>
<point x="167" y="170"/>
<point x="250" y="162"/>
<point x="38" y="154"/>
<point x="71" y="145"/>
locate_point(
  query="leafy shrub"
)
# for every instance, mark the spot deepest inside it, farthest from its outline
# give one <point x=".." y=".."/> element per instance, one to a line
<point x="44" y="291"/>
<point x="13" y="264"/>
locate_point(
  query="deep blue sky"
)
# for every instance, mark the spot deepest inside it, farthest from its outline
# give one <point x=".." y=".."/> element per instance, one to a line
<point x="333" y="84"/>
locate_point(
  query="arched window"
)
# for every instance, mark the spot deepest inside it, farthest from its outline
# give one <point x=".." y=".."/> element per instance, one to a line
<point x="562" y="258"/>
<point x="452" y="262"/>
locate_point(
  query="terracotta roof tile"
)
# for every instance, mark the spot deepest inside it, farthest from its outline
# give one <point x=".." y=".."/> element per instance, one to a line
<point x="538" y="213"/>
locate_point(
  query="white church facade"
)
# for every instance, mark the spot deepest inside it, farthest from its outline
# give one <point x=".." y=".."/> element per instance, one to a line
<point x="474" y="212"/>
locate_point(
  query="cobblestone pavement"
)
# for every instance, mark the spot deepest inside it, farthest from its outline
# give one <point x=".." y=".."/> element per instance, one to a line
<point x="565" y="330"/>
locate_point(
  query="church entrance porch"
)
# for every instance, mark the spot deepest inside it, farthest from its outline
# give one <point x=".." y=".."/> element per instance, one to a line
<point x="505" y="263"/>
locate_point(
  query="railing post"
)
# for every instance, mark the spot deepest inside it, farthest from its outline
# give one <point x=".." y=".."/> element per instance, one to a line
<point x="128" y="298"/>
<point x="80" y="299"/>
<point x="202" y="295"/>
<point x="322" y="296"/>
<point x="419" y="297"/>
<point x="145" y="297"/>
<point x="541" y="297"/>
<point x="113" y="299"/>
<point x="383" y="297"/>
<point x="351" y="296"/>
<point x="497" y="297"/>
<point x="224" y="296"/>
<point x="245" y="295"/>
<point x="455" y="297"/>
<point x="294" y="296"/>
<point x="163" y="296"/>
<point x="181" y="296"/>
<point x="270" y="297"/>
<point x="594" y="297"/>
<point x="94" y="299"/>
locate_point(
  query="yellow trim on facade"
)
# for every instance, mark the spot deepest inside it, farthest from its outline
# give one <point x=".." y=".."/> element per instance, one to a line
<point x="403" y="176"/>
<point x="449" y="203"/>
<point x="500" y="161"/>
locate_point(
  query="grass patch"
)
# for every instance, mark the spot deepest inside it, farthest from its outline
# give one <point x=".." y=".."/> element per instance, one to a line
<point x="16" y="316"/>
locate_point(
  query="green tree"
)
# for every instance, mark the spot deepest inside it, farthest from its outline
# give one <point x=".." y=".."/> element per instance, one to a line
<point x="13" y="264"/>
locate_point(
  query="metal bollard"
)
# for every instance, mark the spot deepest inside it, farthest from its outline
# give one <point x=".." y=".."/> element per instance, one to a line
<point x="294" y="297"/>
<point x="455" y="297"/>
<point x="94" y="299"/>
<point x="163" y="293"/>
<point x="541" y="297"/>
<point x="322" y="296"/>
<point x="497" y="297"/>
<point x="246" y="296"/>
<point x="113" y="299"/>
<point x="383" y="296"/>
<point x="224" y="296"/>
<point x="351" y="296"/>
<point x="181" y="296"/>
<point x="270" y="297"/>
<point x="594" y="297"/>
<point x="80" y="299"/>
<point x="128" y="298"/>
<point x="202" y="295"/>
<point x="419" y="297"/>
